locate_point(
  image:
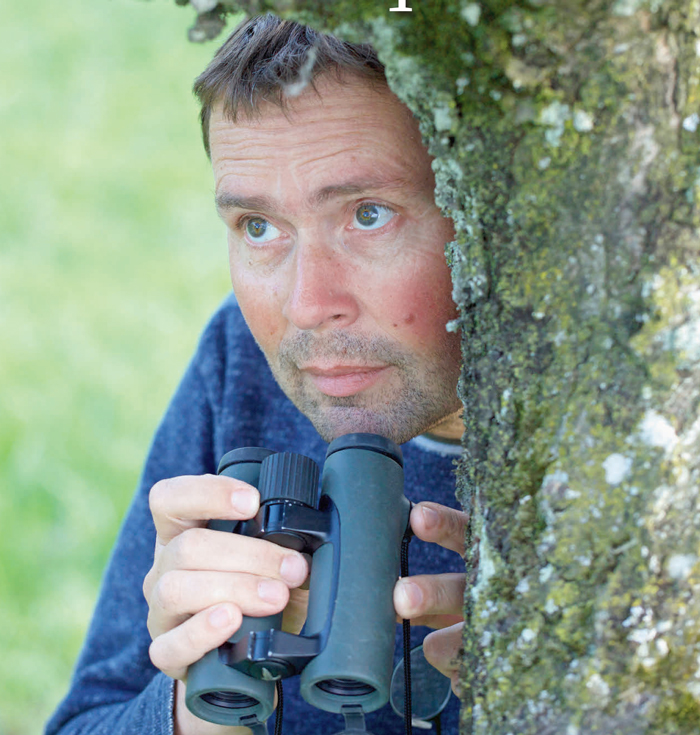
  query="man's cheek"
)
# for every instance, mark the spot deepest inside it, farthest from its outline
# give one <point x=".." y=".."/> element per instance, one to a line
<point x="265" y="329"/>
<point x="261" y="316"/>
<point x="405" y="320"/>
<point x="423" y="315"/>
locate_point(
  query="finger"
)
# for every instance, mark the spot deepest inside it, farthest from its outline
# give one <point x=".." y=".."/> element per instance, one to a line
<point x="441" y="525"/>
<point x="203" y="550"/>
<point x="173" y="651"/>
<point x="200" y="549"/>
<point x="179" y="594"/>
<point x="186" y="502"/>
<point x="430" y="595"/>
<point x="442" y="650"/>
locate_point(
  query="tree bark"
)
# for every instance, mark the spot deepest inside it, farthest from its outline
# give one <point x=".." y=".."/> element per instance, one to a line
<point x="565" y="136"/>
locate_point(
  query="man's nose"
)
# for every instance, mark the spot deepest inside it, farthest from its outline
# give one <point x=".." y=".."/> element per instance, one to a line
<point x="319" y="294"/>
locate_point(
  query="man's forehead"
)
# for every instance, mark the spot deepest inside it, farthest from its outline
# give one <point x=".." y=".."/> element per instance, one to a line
<point x="343" y="102"/>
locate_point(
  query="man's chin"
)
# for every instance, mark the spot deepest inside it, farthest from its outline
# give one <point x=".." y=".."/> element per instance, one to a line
<point x="337" y="421"/>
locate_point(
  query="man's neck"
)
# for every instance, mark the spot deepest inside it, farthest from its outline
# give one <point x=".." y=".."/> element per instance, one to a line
<point x="449" y="429"/>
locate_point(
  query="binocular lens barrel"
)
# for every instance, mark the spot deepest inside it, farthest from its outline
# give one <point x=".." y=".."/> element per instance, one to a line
<point x="363" y="476"/>
<point x="216" y="692"/>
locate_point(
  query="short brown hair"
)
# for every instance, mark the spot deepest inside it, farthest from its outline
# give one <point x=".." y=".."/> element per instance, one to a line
<point x="267" y="59"/>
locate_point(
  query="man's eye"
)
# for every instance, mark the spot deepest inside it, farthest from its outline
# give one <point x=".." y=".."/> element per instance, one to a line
<point x="372" y="216"/>
<point x="260" y="230"/>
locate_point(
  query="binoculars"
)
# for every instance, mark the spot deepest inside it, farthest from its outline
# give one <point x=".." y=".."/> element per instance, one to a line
<point x="353" y="528"/>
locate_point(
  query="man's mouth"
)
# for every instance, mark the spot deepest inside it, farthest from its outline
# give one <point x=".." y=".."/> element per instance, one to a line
<point x="345" y="380"/>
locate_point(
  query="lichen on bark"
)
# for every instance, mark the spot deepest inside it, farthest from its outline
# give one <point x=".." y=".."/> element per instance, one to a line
<point x="565" y="136"/>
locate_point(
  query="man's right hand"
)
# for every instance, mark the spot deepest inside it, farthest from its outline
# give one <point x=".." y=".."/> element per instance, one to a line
<point x="202" y="582"/>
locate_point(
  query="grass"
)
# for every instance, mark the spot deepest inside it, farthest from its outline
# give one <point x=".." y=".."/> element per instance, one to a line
<point x="111" y="261"/>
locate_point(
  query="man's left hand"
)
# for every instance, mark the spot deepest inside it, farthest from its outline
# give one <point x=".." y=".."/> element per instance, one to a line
<point x="437" y="600"/>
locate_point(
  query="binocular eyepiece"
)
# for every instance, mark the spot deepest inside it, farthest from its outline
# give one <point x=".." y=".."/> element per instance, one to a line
<point x="353" y="528"/>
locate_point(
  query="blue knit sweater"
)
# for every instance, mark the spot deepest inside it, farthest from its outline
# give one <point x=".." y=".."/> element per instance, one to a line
<point x="227" y="398"/>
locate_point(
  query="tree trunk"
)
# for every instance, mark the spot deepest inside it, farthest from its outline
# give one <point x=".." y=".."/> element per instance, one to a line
<point x="565" y="136"/>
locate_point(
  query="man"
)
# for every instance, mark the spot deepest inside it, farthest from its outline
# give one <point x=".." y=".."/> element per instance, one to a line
<point x="336" y="252"/>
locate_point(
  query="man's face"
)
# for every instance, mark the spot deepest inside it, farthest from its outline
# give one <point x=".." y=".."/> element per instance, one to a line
<point x="337" y="259"/>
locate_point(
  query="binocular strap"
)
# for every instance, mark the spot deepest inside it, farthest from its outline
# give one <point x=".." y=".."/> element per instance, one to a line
<point x="408" y="714"/>
<point x="260" y="728"/>
<point x="280" y="708"/>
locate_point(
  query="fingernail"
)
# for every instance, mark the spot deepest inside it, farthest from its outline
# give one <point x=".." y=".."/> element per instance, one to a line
<point x="412" y="595"/>
<point x="430" y="516"/>
<point x="271" y="591"/>
<point x="293" y="569"/>
<point x="245" y="502"/>
<point x="220" y="616"/>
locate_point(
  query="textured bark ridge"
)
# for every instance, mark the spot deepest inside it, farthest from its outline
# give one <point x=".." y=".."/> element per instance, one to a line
<point x="565" y="136"/>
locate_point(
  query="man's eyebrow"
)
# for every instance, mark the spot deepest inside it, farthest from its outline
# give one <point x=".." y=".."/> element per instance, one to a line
<point x="352" y="188"/>
<point x="226" y="201"/>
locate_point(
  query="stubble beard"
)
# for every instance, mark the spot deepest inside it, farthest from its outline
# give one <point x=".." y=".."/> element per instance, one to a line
<point x="421" y="393"/>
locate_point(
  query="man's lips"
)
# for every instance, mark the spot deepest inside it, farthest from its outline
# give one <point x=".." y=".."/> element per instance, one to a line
<point x="345" y="380"/>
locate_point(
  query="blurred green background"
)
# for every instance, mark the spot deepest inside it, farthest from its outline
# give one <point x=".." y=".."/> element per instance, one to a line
<point x="111" y="261"/>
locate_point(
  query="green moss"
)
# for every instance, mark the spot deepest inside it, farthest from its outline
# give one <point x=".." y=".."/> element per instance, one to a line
<point x="682" y="710"/>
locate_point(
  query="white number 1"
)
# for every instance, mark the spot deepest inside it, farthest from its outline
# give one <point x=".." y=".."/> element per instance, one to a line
<point x="402" y="8"/>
